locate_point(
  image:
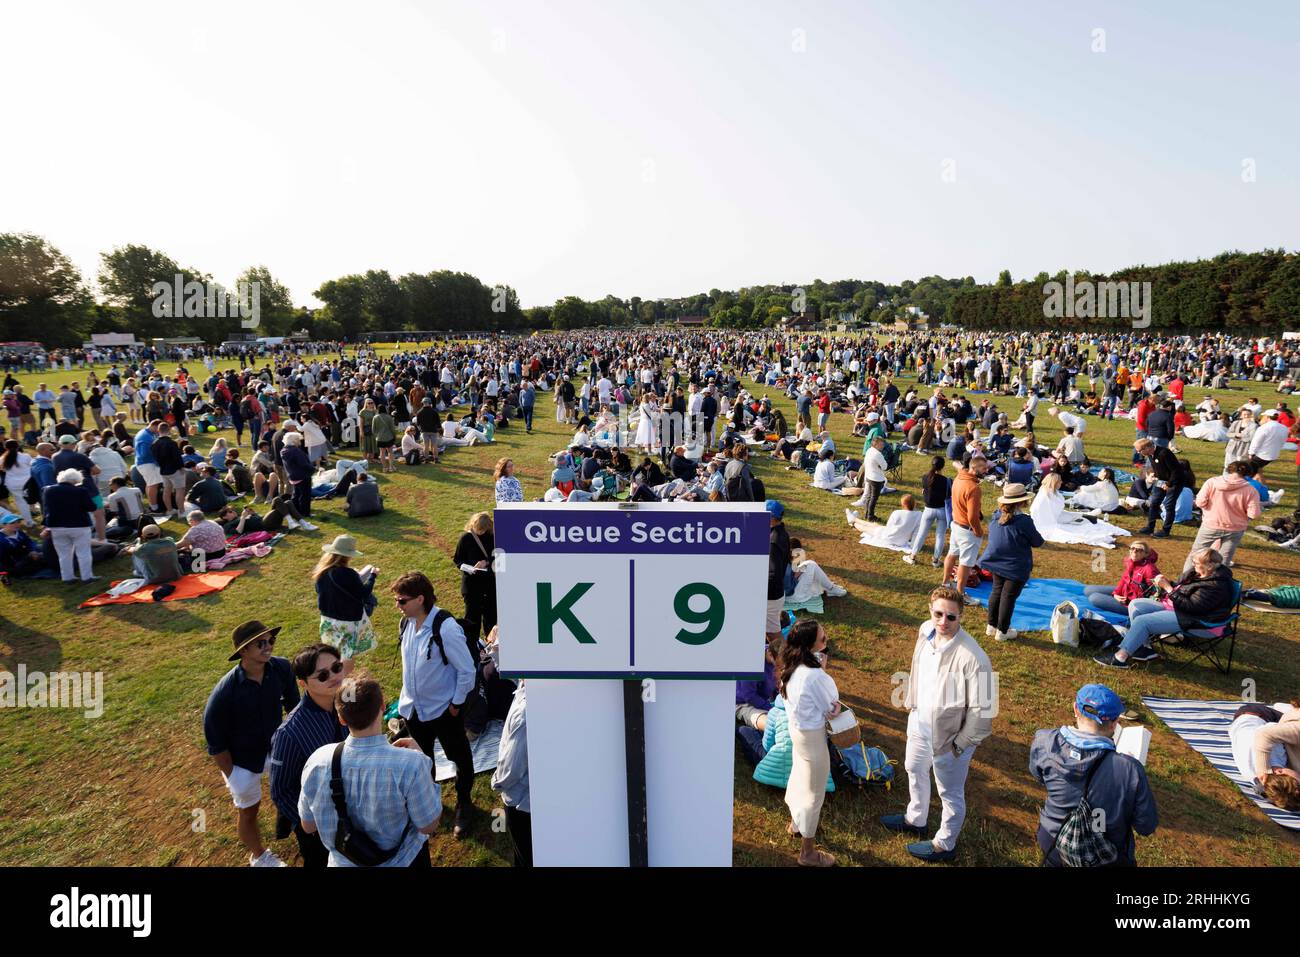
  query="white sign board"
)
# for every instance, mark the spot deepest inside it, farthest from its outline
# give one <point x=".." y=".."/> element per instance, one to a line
<point x="592" y="595"/>
<point x="601" y="590"/>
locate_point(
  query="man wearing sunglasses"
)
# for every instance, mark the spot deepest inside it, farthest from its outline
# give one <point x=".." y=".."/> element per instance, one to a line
<point x="438" y="674"/>
<point x="951" y="701"/>
<point x="310" y="726"/>
<point x="242" y="714"/>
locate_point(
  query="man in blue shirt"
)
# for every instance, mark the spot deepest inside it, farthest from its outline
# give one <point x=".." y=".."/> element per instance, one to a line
<point x="527" y="399"/>
<point x="387" y="791"/>
<point x="239" y="721"/>
<point x="438" y="674"/>
<point x="310" y="726"/>
<point x="148" y="465"/>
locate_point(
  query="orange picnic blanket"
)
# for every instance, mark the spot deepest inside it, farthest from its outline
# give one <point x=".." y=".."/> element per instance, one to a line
<point x="187" y="586"/>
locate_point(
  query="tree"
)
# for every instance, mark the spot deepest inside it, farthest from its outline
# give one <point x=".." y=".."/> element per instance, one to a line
<point x="344" y="300"/>
<point x="128" y="276"/>
<point x="42" y="296"/>
<point x="275" y="305"/>
<point x="571" y="312"/>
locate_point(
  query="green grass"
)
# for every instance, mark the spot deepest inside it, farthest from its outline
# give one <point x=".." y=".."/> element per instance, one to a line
<point x="135" y="786"/>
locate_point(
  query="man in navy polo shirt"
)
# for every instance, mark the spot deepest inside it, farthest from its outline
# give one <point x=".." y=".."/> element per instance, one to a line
<point x="242" y="715"/>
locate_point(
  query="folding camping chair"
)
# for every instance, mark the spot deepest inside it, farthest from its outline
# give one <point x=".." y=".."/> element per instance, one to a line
<point x="1201" y="639"/>
<point x="894" y="462"/>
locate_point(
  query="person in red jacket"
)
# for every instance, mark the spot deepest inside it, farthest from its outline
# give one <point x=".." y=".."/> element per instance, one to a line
<point x="1138" y="580"/>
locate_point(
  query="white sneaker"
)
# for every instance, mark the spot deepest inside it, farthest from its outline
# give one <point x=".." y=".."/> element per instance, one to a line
<point x="909" y="558"/>
<point x="990" y="631"/>
<point x="268" y="859"/>
<point x="1010" y="634"/>
<point x="850" y="516"/>
<point x="837" y="591"/>
<point x="308" y="526"/>
<point x="999" y="636"/>
<point x="292" y="523"/>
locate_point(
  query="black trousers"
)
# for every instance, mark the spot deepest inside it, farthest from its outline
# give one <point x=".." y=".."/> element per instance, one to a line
<point x="421" y="858"/>
<point x="302" y="496"/>
<point x="519" y="826"/>
<point x="480" y="612"/>
<point x="1002" y="602"/>
<point x="872" y="491"/>
<point x="448" y="729"/>
<point x="311" y="848"/>
<point x="1029" y="421"/>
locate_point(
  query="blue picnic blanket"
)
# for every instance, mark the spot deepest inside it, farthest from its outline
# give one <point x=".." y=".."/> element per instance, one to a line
<point x="1036" y="603"/>
<point x="1121" y="477"/>
<point x="1204" y="725"/>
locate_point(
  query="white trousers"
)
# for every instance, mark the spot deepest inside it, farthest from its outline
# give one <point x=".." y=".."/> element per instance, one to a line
<point x="950" y="777"/>
<point x="70" y="542"/>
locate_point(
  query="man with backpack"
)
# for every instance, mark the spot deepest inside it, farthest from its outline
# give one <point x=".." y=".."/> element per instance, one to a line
<point x="1096" y="797"/>
<point x="387" y="803"/>
<point x="438" y="674"/>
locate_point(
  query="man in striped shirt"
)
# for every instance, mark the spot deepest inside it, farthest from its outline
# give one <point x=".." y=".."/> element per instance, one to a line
<point x="312" y="725"/>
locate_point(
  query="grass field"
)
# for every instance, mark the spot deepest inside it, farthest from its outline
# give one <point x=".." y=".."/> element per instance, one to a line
<point x="135" y="786"/>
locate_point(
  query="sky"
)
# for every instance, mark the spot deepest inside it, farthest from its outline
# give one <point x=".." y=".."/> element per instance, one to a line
<point x="650" y="149"/>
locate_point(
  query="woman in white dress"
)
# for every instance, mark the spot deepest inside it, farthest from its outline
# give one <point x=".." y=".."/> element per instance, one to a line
<point x="1101" y="494"/>
<point x="1055" y="524"/>
<point x="811" y="699"/>
<point x="17" y="466"/>
<point x="647" y="429"/>
<point x="824" y="476"/>
<point x="897" y="532"/>
<point x="809" y="579"/>
<point x="1210" y="430"/>
<point x="1239" y="435"/>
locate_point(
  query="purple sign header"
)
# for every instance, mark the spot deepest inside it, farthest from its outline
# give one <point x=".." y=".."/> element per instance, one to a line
<point x="700" y="531"/>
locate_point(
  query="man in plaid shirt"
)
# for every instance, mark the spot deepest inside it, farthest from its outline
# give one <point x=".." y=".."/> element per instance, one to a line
<point x="389" y="790"/>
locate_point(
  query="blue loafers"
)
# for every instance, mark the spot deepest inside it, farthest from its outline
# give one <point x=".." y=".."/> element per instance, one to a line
<point x="898" y="822"/>
<point x="924" y="850"/>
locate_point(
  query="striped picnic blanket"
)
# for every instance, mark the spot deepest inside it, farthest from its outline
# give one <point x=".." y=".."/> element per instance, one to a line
<point x="1204" y="725"/>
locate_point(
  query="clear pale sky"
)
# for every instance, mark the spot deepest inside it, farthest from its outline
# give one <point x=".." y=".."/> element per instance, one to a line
<point x="652" y="149"/>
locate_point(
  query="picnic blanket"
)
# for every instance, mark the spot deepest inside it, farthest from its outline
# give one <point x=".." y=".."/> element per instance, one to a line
<point x="238" y="555"/>
<point x="813" y="605"/>
<point x="187" y="586"/>
<point x="1121" y="477"/>
<point x="484" y="748"/>
<point x="1041" y="596"/>
<point x="1204" y="725"/>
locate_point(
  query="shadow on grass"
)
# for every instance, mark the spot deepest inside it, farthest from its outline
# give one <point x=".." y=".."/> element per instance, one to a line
<point x="35" y="649"/>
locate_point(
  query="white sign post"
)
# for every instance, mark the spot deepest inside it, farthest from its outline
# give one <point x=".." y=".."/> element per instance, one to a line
<point x="631" y="625"/>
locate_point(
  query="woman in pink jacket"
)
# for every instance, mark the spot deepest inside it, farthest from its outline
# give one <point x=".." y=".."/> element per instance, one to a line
<point x="1139" y="573"/>
<point x="1228" y="503"/>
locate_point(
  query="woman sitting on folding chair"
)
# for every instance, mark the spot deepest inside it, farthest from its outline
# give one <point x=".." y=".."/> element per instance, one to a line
<point x="1206" y="593"/>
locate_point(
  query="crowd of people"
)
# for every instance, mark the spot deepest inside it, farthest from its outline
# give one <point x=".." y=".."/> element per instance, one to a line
<point x="656" y="415"/>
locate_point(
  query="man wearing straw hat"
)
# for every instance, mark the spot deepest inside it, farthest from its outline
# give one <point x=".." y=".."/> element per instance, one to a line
<point x="243" y="712"/>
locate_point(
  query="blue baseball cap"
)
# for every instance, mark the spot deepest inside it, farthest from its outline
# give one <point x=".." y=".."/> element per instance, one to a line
<point x="9" y="519"/>
<point x="1099" y="703"/>
<point x="774" y="508"/>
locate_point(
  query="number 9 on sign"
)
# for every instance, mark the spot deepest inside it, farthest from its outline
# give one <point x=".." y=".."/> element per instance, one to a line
<point x="711" y="616"/>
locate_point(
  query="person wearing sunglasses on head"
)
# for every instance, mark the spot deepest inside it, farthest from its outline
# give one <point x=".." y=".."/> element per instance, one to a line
<point x="951" y="700"/>
<point x="438" y="674"/>
<point x="242" y="714"/>
<point x="312" y="725"/>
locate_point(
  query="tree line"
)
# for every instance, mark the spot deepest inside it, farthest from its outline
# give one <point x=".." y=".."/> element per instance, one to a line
<point x="44" y="298"/>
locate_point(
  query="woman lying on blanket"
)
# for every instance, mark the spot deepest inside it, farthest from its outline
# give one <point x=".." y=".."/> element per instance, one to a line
<point x="1266" y="747"/>
<point x="809" y="579"/>
<point x="235" y="522"/>
<point x="897" y="532"/>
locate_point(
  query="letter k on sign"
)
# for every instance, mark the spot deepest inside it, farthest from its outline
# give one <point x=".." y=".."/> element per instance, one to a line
<point x="548" y="613"/>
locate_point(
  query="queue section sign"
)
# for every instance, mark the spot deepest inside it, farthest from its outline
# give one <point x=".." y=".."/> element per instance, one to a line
<point x="599" y="590"/>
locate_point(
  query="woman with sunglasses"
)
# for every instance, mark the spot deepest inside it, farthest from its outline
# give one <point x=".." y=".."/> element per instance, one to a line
<point x="312" y="725"/>
<point x="1138" y="581"/>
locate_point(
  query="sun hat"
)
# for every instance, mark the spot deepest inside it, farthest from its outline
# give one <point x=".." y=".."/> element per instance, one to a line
<point x="344" y="545"/>
<point x="249" y="632"/>
<point x="1014" y="492"/>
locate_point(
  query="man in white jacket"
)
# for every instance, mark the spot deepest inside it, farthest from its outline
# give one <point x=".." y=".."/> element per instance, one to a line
<point x="1266" y="444"/>
<point x="951" y="700"/>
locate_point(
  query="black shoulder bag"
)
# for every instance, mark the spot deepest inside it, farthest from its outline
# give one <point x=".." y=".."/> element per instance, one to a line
<point x="349" y="840"/>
